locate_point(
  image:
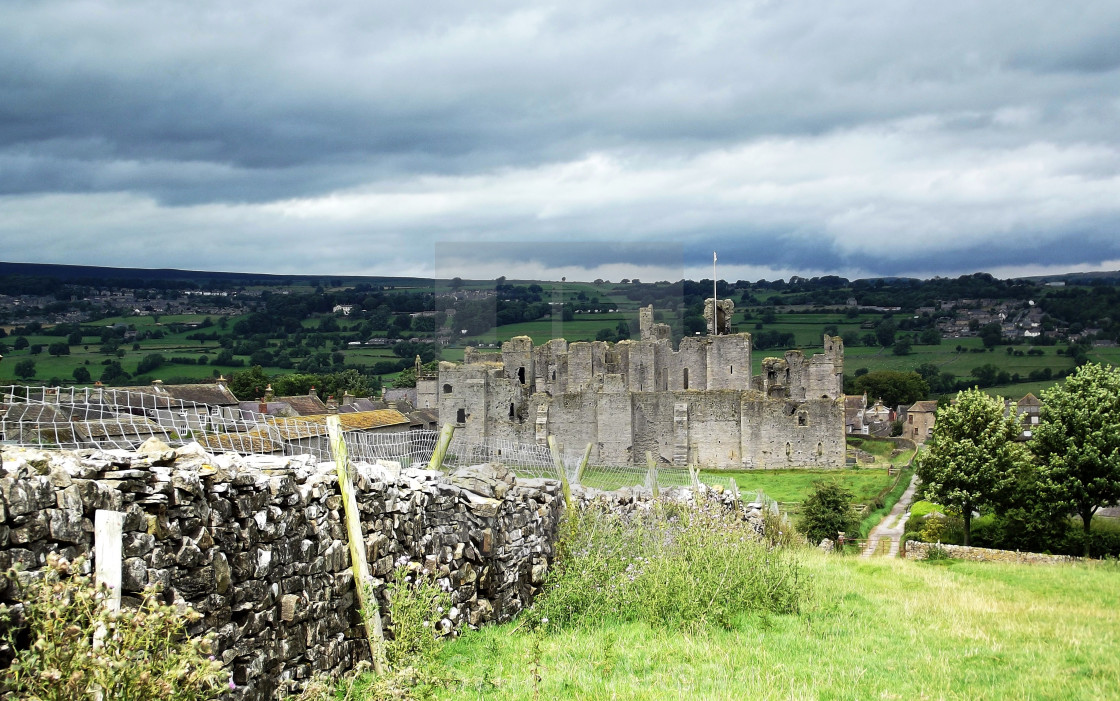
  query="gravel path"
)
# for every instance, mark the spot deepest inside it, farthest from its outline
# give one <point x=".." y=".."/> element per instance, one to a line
<point x="897" y="516"/>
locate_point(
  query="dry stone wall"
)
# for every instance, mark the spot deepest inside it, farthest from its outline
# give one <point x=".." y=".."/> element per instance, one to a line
<point x="258" y="546"/>
<point x="916" y="550"/>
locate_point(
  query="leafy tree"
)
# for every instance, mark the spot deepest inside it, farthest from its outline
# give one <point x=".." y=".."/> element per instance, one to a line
<point x="1077" y="444"/>
<point x="75" y="338"/>
<point x="901" y="347"/>
<point x="885" y="331"/>
<point x="892" y="386"/>
<point x="930" y="337"/>
<point x="250" y="384"/>
<point x="81" y="374"/>
<point x="150" y="362"/>
<point x="21" y="342"/>
<point x="970" y="462"/>
<point x="991" y="334"/>
<point x="25" y="369"/>
<point x="113" y="372"/>
<point x="827" y="511"/>
<point x="58" y="348"/>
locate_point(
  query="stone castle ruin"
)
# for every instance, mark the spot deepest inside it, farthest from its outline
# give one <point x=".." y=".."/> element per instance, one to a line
<point x="697" y="404"/>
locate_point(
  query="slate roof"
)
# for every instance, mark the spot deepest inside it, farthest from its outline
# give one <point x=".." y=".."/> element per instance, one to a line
<point x="1030" y="400"/>
<point x="928" y="406"/>
<point x="363" y="404"/>
<point x="304" y="404"/>
<point x="213" y="394"/>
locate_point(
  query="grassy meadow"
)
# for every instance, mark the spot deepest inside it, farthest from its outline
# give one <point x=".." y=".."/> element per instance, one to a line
<point x="807" y="330"/>
<point x="874" y="629"/>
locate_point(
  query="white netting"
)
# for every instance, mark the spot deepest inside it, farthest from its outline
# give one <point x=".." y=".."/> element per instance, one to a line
<point x="68" y="417"/>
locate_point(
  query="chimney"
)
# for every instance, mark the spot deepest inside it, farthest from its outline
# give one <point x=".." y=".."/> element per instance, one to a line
<point x="268" y="395"/>
<point x="313" y="392"/>
<point x="347" y="398"/>
<point x="221" y="381"/>
<point x="332" y="405"/>
<point x="157" y="385"/>
<point x="263" y="407"/>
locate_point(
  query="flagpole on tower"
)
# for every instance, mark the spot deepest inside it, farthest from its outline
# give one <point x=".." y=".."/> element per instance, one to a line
<point x="715" y="306"/>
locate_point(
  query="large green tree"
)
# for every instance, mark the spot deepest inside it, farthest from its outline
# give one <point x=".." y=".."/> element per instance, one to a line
<point x="970" y="462"/>
<point x="1077" y="443"/>
<point x="892" y="386"/>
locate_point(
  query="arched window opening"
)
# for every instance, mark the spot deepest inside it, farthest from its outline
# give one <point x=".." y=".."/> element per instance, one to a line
<point x="521" y="375"/>
<point x="685" y="378"/>
<point x="447" y="389"/>
<point x="511" y="412"/>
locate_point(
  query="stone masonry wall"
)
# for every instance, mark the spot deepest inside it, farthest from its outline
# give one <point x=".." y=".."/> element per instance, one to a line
<point x="916" y="550"/>
<point x="257" y="544"/>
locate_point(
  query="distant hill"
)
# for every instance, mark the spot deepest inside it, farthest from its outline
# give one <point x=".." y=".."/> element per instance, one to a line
<point x="1110" y="277"/>
<point x="80" y="273"/>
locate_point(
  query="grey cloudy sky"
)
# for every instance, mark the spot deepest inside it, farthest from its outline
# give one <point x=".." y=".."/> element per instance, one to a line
<point x="795" y="137"/>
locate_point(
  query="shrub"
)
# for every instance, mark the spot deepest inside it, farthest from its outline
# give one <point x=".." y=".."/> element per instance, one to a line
<point x="827" y="511"/>
<point x="670" y="566"/>
<point x="139" y="654"/>
<point x="416" y="605"/>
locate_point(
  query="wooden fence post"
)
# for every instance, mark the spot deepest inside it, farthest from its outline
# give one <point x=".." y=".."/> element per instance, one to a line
<point x="558" y="463"/>
<point x="107" y="549"/>
<point x="651" y="475"/>
<point x="371" y="613"/>
<point x="583" y="465"/>
<point x="442" y="444"/>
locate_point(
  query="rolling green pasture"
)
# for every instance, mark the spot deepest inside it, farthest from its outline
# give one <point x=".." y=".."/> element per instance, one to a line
<point x="582" y="328"/>
<point x="875" y="629"/>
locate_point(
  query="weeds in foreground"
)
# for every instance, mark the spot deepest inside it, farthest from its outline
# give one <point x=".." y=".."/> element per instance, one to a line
<point x="66" y="643"/>
<point x="670" y="566"/>
<point x="416" y="606"/>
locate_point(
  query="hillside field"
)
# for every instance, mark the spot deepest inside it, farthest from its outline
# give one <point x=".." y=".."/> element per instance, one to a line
<point x="875" y="629"/>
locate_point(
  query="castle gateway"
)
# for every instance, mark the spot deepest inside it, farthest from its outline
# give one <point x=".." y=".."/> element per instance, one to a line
<point x="699" y="403"/>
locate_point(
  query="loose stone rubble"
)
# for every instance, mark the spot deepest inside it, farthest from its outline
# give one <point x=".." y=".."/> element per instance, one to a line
<point x="257" y="544"/>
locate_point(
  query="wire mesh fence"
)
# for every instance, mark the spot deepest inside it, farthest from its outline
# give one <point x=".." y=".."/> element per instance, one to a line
<point x="105" y="417"/>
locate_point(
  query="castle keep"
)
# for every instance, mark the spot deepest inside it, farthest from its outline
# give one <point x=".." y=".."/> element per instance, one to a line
<point x="698" y="403"/>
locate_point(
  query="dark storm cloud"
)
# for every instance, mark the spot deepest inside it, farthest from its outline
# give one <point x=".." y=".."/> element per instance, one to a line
<point x="790" y="135"/>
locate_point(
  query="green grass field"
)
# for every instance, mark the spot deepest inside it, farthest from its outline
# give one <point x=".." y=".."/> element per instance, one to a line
<point x="806" y="328"/>
<point x="875" y="629"/>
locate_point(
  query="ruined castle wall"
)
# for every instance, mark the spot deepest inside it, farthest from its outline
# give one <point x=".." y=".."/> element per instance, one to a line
<point x="797" y="375"/>
<point x="579" y="366"/>
<point x="573" y="419"/>
<point x="688" y="367"/>
<point x="715" y="428"/>
<point x="729" y="362"/>
<point x="464" y="392"/>
<point x="643" y="367"/>
<point x="614" y="425"/>
<point x="792" y="434"/>
<point x="652" y="426"/>
<point x="508" y="413"/>
<point x="551" y="367"/>
<point x="257" y="545"/>
<point x="517" y="360"/>
<point x="826" y="370"/>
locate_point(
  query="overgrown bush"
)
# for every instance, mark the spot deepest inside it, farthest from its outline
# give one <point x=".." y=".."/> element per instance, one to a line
<point x="827" y="511"/>
<point x="672" y="566"/>
<point x="65" y="643"/>
<point x="416" y="606"/>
